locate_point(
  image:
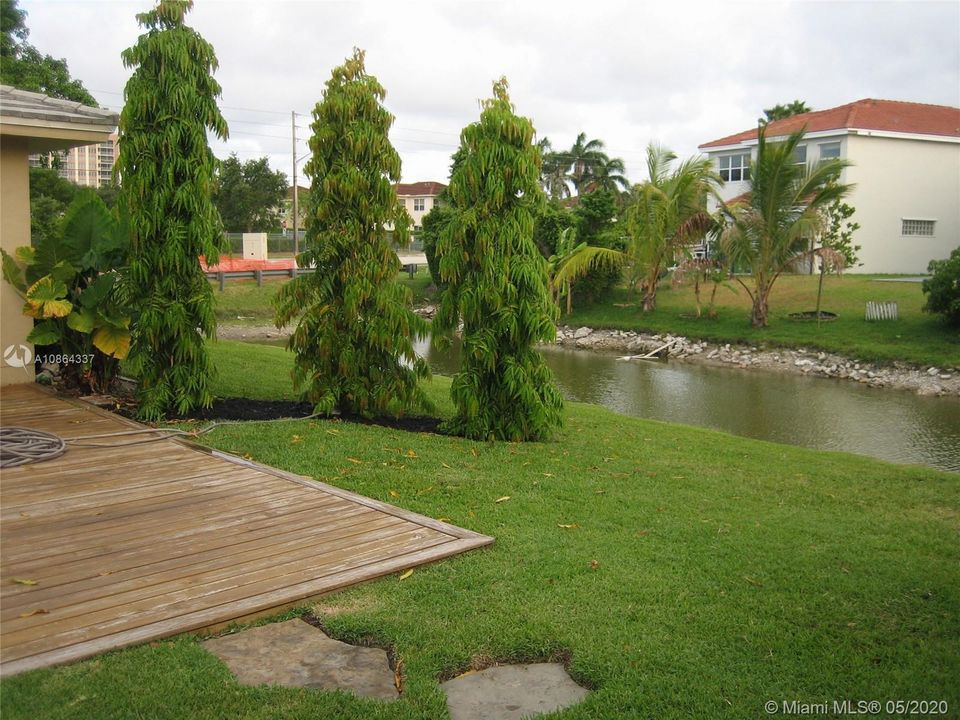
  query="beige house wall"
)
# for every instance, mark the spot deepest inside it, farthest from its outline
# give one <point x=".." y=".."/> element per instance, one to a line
<point x="14" y="232"/>
<point x="900" y="178"/>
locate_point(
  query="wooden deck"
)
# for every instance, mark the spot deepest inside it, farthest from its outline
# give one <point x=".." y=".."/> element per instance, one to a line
<point x="103" y="548"/>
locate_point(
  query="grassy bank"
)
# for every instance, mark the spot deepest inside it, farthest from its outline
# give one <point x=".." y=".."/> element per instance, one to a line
<point x="916" y="337"/>
<point x="685" y="573"/>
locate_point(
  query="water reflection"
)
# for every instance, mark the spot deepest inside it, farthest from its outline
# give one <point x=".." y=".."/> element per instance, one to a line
<point x="813" y="412"/>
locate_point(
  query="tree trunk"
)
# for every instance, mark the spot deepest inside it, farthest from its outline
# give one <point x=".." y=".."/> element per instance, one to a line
<point x="712" y="310"/>
<point x="758" y="317"/>
<point x="649" y="300"/>
<point x="569" y="298"/>
<point x="696" y="295"/>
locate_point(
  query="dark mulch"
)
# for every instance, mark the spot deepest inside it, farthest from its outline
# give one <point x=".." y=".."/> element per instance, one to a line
<point x="246" y="409"/>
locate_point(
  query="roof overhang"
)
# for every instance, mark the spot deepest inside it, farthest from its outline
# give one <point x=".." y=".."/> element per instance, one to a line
<point x="836" y="133"/>
<point x="45" y="136"/>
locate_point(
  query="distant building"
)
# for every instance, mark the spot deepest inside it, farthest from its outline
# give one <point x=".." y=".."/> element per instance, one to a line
<point x="419" y="198"/>
<point x="286" y="212"/>
<point x="88" y="165"/>
<point x="905" y="165"/>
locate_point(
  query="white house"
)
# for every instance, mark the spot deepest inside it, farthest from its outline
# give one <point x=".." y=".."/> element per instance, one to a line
<point x="419" y="198"/>
<point x="905" y="165"/>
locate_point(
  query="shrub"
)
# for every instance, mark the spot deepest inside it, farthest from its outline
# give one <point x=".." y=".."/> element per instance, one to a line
<point x="943" y="288"/>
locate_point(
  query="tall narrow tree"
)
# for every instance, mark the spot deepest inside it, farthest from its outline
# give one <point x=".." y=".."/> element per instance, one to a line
<point x="354" y="336"/>
<point x="170" y="102"/>
<point x="496" y="281"/>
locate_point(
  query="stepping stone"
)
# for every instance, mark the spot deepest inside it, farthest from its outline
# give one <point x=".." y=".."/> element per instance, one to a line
<point x="511" y="692"/>
<point x="295" y="654"/>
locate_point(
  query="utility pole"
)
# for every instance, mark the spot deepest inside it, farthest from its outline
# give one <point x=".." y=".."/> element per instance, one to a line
<point x="293" y="127"/>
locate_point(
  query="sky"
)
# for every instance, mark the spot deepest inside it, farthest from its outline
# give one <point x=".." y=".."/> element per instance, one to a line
<point x="678" y="73"/>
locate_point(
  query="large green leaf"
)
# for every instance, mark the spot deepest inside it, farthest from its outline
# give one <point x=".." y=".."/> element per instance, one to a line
<point x="25" y="255"/>
<point x="88" y="230"/>
<point x="112" y="341"/>
<point x="45" y="333"/>
<point x="12" y="273"/>
<point x="98" y="290"/>
<point x="46" y="298"/>
<point x="64" y="272"/>
<point x="82" y="321"/>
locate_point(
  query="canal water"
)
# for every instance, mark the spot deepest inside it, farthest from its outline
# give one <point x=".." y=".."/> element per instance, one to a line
<point x="820" y="413"/>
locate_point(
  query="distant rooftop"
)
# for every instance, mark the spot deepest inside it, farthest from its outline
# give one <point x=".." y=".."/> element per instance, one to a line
<point x="868" y="114"/>
<point x="429" y="188"/>
<point x="15" y="103"/>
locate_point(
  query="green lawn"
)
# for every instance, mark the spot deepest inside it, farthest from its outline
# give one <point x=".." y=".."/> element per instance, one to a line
<point x="243" y="298"/>
<point x="705" y="574"/>
<point x="916" y="337"/>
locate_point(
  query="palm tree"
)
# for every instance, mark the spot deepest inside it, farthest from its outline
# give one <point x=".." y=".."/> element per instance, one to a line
<point x="665" y="215"/>
<point x="584" y="157"/>
<point x="607" y="175"/>
<point x="553" y="171"/>
<point x="572" y="261"/>
<point x="770" y="225"/>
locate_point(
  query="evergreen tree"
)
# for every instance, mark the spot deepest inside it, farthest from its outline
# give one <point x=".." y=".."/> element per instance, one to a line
<point x="496" y="281"/>
<point x="167" y="169"/>
<point x="354" y="336"/>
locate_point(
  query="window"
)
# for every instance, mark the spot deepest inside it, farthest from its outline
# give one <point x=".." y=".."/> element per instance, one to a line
<point x="735" y="167"/>
<point x="830" y="151"/>
<point x="418" y="204"/>
<point x="918" y="228"/>
<point x="436" y="201"/>
<point x="800" y="155"/>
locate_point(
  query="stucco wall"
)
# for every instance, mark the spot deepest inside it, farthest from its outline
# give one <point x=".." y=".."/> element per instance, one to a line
<point x="898" y="179"/>
<point x="14" y="232"/>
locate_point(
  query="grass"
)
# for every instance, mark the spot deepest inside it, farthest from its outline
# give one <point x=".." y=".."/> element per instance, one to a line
<point x="917" y="337"/>
<point x="704" y="574"/>
<point x="243" y="299"/>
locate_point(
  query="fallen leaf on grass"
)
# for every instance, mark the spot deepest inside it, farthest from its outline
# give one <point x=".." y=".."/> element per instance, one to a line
<point x="549" y="475"/>
<point x="755" y="583"/>
<point x="296" y="439"/>
<point x="446" y="466"/>
<point x="594" y="564"/>
<point x="473" y="451"/>
<point x="333" y="432"/>
<point x="407" y="574"/>
<point x="443" y="519"/>
<point x="394" y="494"/>
<point x="424" y="491"/>
<point x="355" y="461"/>
<point x="410" y="454"/>
<point x="502" y="499"/>
<point x="571" y="526"/>
<point x="38" y="611"/>
<point x="247" y="456"/>
<point x="24" y="581"/>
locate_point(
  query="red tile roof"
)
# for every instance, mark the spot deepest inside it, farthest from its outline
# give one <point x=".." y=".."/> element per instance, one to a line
<point x="889" y="115"/>
<point x="428" y="188"/>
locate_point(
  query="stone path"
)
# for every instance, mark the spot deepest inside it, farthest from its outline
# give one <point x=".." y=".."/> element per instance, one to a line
<point x="295" y="654"/>
<point x="511" y="692"/>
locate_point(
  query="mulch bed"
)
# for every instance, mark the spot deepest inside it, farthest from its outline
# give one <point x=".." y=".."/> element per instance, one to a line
<point x="246" y="409"/>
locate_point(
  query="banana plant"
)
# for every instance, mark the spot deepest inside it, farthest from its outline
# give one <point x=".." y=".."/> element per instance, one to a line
<point x="69" y="285"/>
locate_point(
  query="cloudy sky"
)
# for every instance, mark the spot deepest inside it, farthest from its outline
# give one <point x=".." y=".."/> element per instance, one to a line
<point x="680" y="73"/>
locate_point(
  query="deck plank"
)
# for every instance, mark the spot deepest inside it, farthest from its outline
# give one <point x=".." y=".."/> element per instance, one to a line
<point x="131" y="544"/>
